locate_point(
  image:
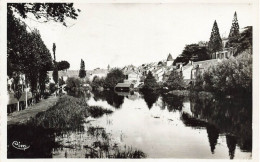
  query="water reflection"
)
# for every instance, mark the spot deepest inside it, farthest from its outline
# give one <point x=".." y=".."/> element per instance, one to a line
<point x="233" y="116"/>
<point x="162" y="126"/>
<point x="172" y="102"/>
<point x="150" y="97"/>
<point x="231" y="144"/>
<point x="111" y="97"/>
<point x="213" y="135"/>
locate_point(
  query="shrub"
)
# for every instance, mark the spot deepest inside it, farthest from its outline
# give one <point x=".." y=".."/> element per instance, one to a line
<point x="232" y="76"/>
<point x="73" y="84"/>
<point x="52" y="88"/>
<point x="113" y="77"/>
<point x="150" y="82"/>
<point x="97" y="83"/>
<point x="175" y="81"/>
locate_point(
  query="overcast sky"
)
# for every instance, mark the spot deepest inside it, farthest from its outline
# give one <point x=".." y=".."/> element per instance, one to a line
<point x="123" y="34"/>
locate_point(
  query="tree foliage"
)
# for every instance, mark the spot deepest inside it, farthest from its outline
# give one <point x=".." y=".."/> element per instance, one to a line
<point x="234" y="31"/>
<point x="97" y="82"/>
<point x="215" y="42"/>
<point x="113" y="77"/>
<point x="243" y="42"/>
<point x="82" y="71"/>
<point x="27" y="53"/>
<point x="175" y="81"/>
<point x="72" y="83"/>
<point x="193" y="51"/>
<point x="232" y="76"/>
<point x="150" y="82"/>
<point x="63" y="65"/>
<point x="55" y="73"/>
<point x="44" y="12"/>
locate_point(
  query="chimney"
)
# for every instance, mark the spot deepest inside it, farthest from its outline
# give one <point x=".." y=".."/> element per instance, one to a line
<point x="191" y="62"/>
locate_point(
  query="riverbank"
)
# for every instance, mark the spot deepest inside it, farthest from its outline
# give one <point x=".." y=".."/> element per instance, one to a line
<point x="21" y="117"/>
<point x="187" y="93"/>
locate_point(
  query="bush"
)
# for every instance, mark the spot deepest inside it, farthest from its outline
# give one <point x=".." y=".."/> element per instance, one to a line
<point x="52" y="87"/>
<point x="73" y="84"/>
<point x="230" y="77"/>
<point x="113" y="77"/>
<point x="175" y="81"/>
<point x="97" y="83"/>
<point x="150" y="82"/>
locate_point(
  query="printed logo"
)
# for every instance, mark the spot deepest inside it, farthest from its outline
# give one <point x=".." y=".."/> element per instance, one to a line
<point x="20" y="146"/>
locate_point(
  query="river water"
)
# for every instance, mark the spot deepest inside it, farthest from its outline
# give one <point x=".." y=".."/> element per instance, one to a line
<point x="166" y="126"/>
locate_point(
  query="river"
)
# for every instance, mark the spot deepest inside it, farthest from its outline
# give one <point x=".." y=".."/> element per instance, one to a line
<point x="165" y="126"/>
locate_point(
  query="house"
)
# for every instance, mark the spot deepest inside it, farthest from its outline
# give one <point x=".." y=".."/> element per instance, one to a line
<point x="223" y="54"/>
<point x="132" y="77"/>
<point x="64" y="74"/>
<point x="200" y="67"/>
<point x="100" y="73"/>
<point x="124" y="87"/>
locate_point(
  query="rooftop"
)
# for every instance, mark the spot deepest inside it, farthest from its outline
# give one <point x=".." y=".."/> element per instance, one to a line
<point x="123" y="85"/>
<point x="169" y="58"/>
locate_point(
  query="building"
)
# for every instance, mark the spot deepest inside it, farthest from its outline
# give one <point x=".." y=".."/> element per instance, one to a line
<point x="100" y="73"/>
<point x="64" y="75"/>
<point x="125" y="87"/>
<point x="200" y="67"/>
<point x="169" y="60"/>
<point x="132" y="77"/>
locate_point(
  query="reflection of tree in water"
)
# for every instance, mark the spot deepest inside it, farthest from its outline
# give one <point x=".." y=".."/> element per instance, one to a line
<point x="111" y="97"/>
<point x="150" y="97"/>
<point x="40" y="140"/>
<point x="231" y="144"/>
<point x="173" y="102"/>
<point x="213" y="134"/>
<point x="99" y="95"/>
<point x="229" y="116"/>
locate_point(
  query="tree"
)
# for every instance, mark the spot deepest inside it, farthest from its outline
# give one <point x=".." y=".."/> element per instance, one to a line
<point x="198" y="84"/>
<point x="82" y="71"/>
<point x="113" y="77"/>
<point x="215" y="42"/>
<point x="243" y="42"/>
<point x="230" y="77"/>
<point x="150" y="82"/>
<point x="55" y="73"/>
<point x="63" y="65"/>
<point x="234" y="31"/>
<point x="57" y="12"/>
<point x="27" y="51"/>
<point x="175" y="81"/>
<point x="234" y="35"/>
<point x="97" y="82"/>
<point x="72" y="84"/>
<point x="194" y="51"/>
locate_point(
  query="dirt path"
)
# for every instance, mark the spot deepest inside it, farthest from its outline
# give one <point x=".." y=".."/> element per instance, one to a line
<point x="19" y="117"/>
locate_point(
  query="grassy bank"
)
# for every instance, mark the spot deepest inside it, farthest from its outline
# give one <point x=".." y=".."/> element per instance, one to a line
<point x="67" y="114"/>
<point x="188" y="93"/>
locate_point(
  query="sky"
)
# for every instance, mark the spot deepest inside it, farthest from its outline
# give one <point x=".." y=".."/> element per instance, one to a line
<point x="124" y="34"/>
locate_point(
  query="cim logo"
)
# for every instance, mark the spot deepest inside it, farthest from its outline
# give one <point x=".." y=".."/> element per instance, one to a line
<point x="20" y="146"/>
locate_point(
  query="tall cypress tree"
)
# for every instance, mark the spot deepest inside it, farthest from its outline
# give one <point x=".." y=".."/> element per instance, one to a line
<point x="82" y="71"/>
<point x="234" y="31"/>
<point x="234" y="35"/>
<point x="55" y="74"/>
<point x="215" y="42"/>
